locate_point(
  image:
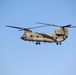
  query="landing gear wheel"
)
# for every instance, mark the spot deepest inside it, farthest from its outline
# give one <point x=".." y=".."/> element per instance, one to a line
<point x="37" y="43"/>
<point x="57" y="43"/>
<point x="60" y="43"/>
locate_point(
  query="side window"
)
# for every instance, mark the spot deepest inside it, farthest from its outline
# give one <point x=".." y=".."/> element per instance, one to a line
<point x="37" y="36"/>
<point x="31" y="36"/>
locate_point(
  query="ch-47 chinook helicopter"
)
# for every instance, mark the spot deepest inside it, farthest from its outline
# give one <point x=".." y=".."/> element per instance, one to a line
<point x="57" y="37"/>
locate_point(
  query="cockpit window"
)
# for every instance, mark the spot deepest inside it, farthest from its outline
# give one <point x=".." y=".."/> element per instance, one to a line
<point x="55" y="31"/>
<point x="24" y="35"/>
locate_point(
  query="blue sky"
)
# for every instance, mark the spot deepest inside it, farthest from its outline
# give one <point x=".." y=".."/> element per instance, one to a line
<point x="18" y="57"/>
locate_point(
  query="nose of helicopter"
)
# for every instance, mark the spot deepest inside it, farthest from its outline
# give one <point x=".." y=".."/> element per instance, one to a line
<point x="22" y="37"/>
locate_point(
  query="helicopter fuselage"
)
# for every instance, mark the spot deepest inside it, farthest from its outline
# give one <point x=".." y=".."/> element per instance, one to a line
<point x="58" y="36"/>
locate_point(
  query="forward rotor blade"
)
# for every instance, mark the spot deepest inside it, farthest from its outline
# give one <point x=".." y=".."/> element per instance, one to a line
<point x="14" y="27"/>
<point x="25" y="28"/>
<point x="20" y="29"/>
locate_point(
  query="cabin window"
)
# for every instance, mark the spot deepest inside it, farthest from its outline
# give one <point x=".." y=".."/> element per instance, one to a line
<point x="51" y="37"/>
<point x="56" y="37"/>
<point x="31" y="36"/>
<point x="37" y="36"/>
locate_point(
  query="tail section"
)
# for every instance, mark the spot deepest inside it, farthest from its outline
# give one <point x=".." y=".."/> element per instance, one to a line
<point x="61" y="34"/>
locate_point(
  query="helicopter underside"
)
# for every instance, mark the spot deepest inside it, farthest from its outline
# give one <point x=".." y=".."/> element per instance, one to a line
<point x="45" y="40"/>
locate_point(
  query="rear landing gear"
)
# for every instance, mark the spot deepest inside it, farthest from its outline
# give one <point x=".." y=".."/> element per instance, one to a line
<point x="58" y="43"/>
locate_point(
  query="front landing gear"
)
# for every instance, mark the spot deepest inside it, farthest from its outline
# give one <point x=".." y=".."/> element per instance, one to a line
<point x="58" y="43"/>
<point x="38" y="43"/>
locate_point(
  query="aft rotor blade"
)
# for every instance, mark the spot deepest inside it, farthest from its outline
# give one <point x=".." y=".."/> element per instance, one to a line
<point x="47" y="24"/>
<point x="72" y="27"/>
<point x="37" y="27"/>
<point x="67" y="26"/>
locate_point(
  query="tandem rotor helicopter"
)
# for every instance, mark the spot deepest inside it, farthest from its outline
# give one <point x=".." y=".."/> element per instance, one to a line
<point x="57" y="37"/>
